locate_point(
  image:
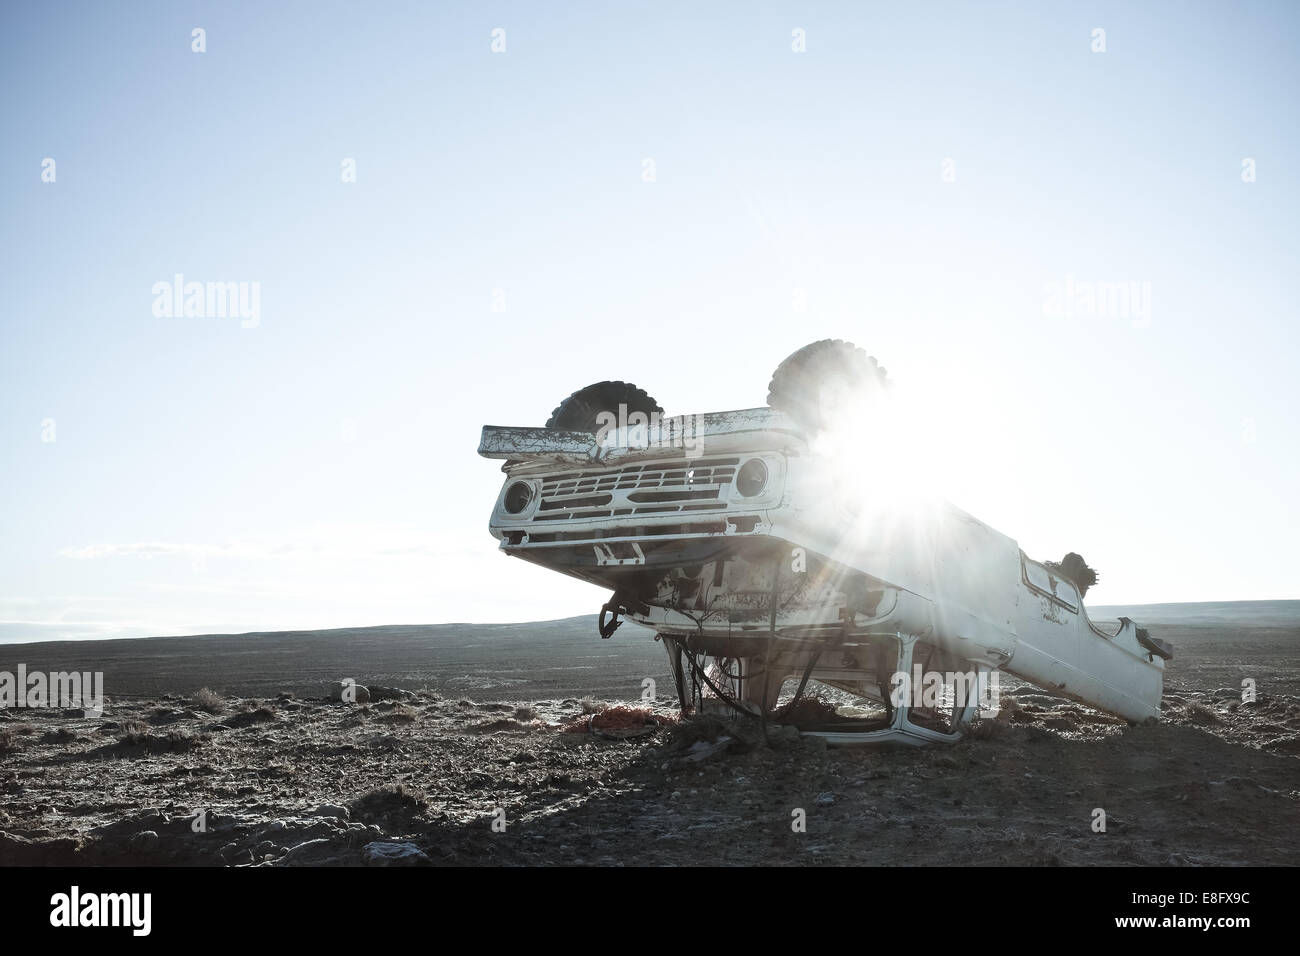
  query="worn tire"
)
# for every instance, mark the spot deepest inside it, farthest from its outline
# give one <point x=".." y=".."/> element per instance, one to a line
<point x="578" y="412"/>
<point x="797" y="382"/>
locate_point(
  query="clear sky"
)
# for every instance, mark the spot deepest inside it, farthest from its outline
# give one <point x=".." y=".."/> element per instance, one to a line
<point x="923" y="179"/>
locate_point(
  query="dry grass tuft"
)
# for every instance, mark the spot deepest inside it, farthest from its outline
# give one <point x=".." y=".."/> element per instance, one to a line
<point x="134" y="732"/>
<point x="208" y="700"/>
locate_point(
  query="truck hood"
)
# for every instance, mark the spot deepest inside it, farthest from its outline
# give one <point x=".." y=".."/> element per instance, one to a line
<point x="682" y="436"/>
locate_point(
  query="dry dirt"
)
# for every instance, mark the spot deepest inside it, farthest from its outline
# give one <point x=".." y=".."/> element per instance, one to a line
<point x="421" y="775"/>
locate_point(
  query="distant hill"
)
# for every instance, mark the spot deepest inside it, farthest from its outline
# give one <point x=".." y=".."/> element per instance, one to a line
<point x="534" y="660"/>
<point x="1239" y="613"/>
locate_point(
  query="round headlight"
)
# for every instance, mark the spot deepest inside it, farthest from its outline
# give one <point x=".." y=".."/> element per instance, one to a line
<point x="517" y="497"/>
<point x="752" y="478"/>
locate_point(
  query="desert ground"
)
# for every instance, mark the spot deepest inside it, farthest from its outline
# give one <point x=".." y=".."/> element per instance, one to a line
<point x="474" y="749"/>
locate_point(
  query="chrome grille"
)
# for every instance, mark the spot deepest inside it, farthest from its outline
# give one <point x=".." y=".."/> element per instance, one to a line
<point x="642" y="489"/>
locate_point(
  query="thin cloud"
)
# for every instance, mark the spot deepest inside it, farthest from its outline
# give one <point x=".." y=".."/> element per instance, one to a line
<point x="344" y="545"/>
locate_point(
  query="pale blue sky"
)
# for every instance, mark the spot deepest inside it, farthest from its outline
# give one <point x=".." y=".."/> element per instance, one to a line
<point x="200" y="479"/>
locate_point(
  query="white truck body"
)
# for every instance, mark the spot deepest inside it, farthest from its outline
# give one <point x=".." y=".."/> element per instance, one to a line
<point x="814" y="557"/>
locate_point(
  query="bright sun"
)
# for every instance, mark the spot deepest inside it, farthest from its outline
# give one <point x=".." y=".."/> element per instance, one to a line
<point x="882" y="452"/>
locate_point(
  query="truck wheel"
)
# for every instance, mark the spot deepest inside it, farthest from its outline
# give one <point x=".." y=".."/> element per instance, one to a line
<point x="799" y="383"/>
<point x="578" y="412"/>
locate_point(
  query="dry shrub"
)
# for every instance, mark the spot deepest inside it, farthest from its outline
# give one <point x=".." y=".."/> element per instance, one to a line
<point x="134" y="732"/>
<point x="64" y="735"/>
<point x="180" y="740"/>
<point x="619" y="717"/>
<point x="255" y="715"/>
<point x="392" y="801"/>
<point x="402" y="713"/>
<point x="208" y="701"/>
<point x="8" y="739"/>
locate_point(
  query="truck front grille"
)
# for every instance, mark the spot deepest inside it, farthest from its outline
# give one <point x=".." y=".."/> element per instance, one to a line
<point x="642" y="489"/>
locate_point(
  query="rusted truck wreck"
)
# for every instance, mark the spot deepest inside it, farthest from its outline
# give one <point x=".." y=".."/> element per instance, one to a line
<point x="761" y="547"/>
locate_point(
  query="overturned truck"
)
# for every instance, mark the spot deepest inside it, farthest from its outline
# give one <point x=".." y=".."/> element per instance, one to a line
<point x="762" y="546"/>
